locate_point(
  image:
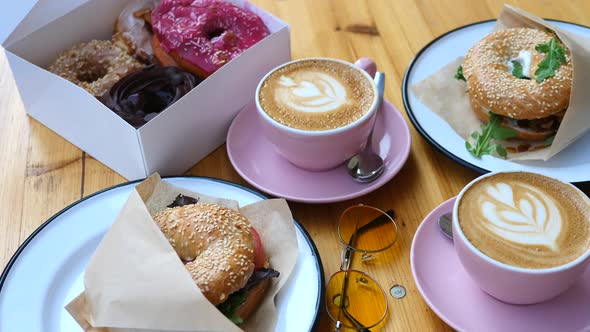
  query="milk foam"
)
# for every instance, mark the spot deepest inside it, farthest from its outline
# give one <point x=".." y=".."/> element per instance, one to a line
<point x="526" y="220"/>
<point x="529" y="218"/>
<point x="314" y="92"/>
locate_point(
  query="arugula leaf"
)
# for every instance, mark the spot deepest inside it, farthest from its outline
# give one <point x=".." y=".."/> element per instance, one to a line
<point x="459" y="74"/>
<point x="229" y="307"/>
<point x="501" y="151"/>
<point x="517" y="69"/>
<point x="549" y="140"/>
<point x="503" y="133"/>
<point x="493" y="130"/>
<point x="235" y="319"/>
<point x="555" y="56"/>
<point x="469" y="148"/>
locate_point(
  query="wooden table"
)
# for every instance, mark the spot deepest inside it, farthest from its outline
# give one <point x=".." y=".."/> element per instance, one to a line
<point x="42" y="172"/>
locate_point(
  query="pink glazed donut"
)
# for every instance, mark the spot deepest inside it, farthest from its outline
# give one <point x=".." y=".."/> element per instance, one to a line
<point x="203" y="35"/>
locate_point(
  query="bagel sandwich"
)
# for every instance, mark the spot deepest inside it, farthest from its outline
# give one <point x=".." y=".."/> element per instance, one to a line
<point x="223" y="253"/>
<point x="524" y="76"/>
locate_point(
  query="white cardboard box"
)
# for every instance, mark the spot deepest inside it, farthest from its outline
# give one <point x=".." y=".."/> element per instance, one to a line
<point x="169" y="144"/>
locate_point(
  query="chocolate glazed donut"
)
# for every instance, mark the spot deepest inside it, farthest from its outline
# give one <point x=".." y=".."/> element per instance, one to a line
<point x="139" y="97"/>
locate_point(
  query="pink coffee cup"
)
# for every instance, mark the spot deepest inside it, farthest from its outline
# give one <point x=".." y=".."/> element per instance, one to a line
<point x="320" y="150"/>
<point x="511" y="284"/>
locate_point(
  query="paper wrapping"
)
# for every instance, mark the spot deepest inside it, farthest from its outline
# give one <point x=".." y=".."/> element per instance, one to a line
<point x="447" y="97"/>
<point x="135" y="281"/>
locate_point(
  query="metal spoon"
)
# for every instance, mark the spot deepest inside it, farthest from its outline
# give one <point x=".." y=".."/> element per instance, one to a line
<point x="367" y="166"/>
<point x="445" y="222"/>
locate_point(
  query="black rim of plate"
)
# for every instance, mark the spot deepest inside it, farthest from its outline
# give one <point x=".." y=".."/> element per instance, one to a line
<point x="321" y="280"/>
<point x="415" y="122"/>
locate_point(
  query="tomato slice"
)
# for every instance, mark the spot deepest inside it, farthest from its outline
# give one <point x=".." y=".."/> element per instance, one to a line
<point x="259" y="254"/>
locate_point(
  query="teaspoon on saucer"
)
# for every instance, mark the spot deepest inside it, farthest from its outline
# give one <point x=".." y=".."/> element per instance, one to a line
<point x="367" y="165"/>
<point x="445" y="223"/>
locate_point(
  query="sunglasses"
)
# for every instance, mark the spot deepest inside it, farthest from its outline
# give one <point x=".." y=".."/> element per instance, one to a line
<point x="366" y="230"/>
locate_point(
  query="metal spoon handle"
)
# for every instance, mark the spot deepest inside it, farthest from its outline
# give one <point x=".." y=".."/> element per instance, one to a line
<point x="380" y="83"/>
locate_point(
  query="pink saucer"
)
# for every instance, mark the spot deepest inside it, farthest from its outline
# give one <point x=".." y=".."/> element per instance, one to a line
<point x="457" y="300"/>
<point x="254" y="159"/>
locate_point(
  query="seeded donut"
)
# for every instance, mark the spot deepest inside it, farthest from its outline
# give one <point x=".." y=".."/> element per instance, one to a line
<point x="215" y="243"/>
<point x="95" y="66"/>
<point x="534" y="109"/>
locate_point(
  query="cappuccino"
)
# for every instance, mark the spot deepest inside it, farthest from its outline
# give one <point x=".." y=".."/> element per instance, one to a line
<point x="526" y="220"/>
<point x="316" y="94"/>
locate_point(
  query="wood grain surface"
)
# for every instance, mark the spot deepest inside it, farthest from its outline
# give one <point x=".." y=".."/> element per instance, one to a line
<point x="42" y="173"/>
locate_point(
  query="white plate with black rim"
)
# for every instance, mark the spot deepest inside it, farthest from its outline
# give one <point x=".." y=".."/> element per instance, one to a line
<point x="46" y="272"/>
<point x="571" y="164"/>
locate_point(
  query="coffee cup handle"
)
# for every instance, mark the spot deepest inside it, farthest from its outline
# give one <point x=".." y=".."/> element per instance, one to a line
<point x="367" y="65"/>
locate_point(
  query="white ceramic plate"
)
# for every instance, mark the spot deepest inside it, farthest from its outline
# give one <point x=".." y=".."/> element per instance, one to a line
<point x="571" y="164"/>
<point x="47" y="270"/>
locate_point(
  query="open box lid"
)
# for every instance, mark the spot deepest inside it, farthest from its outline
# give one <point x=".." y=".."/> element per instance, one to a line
<point x="41" y="13"/>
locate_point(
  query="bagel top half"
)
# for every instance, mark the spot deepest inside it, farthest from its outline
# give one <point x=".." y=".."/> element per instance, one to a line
<point x="493" y="87"/>
<point x="214" y="242"/>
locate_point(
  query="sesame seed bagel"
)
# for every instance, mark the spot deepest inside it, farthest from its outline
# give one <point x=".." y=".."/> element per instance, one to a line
<point x="215" y="243"/>
<point x="493" y="87"/>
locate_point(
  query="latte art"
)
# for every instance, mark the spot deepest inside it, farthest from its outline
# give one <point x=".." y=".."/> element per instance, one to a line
<point x="528" y="217"/>
<point x="316" y="94"/>
<point x="525" y="220"/>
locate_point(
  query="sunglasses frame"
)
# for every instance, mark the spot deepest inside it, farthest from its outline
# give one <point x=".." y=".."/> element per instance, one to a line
<point x="346" y="260"/>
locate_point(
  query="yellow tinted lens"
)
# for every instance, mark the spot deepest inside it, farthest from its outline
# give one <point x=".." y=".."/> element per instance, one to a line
<point x="367" y="229"/>
<point x="355" y="300"/>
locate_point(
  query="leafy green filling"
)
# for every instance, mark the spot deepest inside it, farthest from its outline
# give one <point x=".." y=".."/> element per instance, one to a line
<point x="235" y="300"/>
<point x="549" y="140"/>
<point x="555" y="56"/>
<point x="517" y="69"/>
<point x="459" y="74"/>
<point x="229" y="307"/>
<point x="493" y="130"/>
